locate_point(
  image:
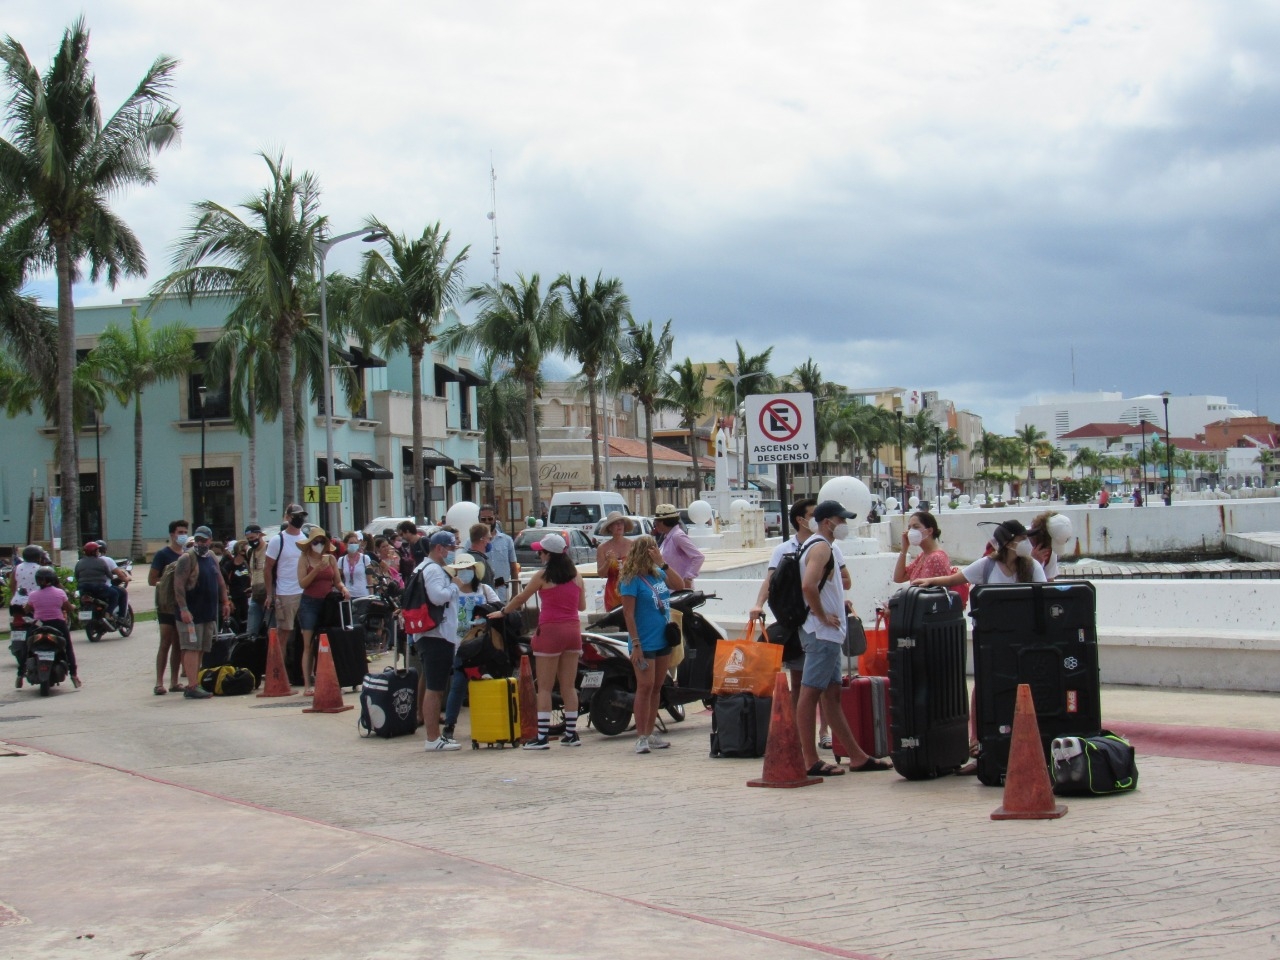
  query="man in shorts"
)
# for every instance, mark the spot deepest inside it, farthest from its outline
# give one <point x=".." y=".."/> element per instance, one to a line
<point x="169" y="651"/>
<point x="280" y="571"/>
<point x="200" y="592"/>
<point x="435" y="648"/>
<point x="822" y="637"/>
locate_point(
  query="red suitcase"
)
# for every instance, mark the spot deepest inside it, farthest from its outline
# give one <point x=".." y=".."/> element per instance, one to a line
<point x="865" y="701"/>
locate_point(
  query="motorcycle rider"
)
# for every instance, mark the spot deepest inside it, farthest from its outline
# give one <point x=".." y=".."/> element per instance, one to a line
<point x="50" y="605"/>
<point x="93" y="577"/>
<point x="22" y="578"/>
<point x="120" y="578"/>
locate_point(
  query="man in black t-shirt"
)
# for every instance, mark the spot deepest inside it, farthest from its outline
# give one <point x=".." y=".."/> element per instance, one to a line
<point x="169" y="651"/>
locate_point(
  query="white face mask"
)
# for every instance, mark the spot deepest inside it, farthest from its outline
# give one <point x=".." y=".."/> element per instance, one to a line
<point x="841" y="531"/>
<point x="1023" y="548"/>
<point x="915" y="537"/>
<point x="182" y="539"/>
<point x="466" y="576"/>
<point x="318" y="547"/>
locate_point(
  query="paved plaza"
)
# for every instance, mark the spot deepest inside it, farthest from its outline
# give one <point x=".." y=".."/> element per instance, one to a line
<point x="145" y="826"/>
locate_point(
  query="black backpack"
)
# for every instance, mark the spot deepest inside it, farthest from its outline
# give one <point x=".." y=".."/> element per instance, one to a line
<point x="786" y="594"/>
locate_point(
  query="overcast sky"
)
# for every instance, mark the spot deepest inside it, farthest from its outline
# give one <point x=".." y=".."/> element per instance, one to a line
<point x="938" y="195"/>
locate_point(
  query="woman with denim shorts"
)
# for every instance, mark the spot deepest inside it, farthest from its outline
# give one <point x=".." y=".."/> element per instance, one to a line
<point x="318" y="575"/>
<point x="645" y="586"/>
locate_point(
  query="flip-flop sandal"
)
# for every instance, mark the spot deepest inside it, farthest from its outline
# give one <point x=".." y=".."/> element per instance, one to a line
<point x="871" y="765"/>
<point x="177" y="688"/>
<point x="821" y="769"/>
<point x="159" y="690"/>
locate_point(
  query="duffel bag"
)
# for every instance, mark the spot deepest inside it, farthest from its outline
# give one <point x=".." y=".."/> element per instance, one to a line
<point x="228" y="681"/>
<point x="1093" y="765"/>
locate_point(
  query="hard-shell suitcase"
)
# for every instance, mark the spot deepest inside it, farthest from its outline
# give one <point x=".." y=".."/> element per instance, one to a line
<point x="389" y="703"/>
<point x="865" y="702"/>
<point x="250" y="653"/>
<point x="1044" y="635"/>
<point x="928" y="695"/>
<point x="740" y="725"/>
<point x="495" y="712"/>
<point x="350" y="658"/>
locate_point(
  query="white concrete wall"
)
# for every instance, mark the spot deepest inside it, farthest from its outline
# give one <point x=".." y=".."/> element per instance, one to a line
<point x="1119" y="529"/>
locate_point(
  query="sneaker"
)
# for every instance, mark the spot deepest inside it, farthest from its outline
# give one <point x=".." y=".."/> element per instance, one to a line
<point x="657" y="743"/>
<point x="571" y="740"/>
<point x="825" y="743"/>
<point x="442" y="743"/>
<point x="542" y="743"/>
<point x="18" y="682"/>
<point x="642" y="745"/>
<point x="196" y="693"/>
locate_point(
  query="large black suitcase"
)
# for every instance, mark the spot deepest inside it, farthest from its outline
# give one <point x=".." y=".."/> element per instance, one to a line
<point x="350" y="659"/>
<point x="1044" y="635"/>
<point x="250" y="653"/>
<point x="928" y="695"/>
<point x="740" y="725"/>
<point x="389" y="703"/>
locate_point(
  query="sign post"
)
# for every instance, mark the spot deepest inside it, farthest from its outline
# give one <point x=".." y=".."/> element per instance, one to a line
<point x="780" y="431"/>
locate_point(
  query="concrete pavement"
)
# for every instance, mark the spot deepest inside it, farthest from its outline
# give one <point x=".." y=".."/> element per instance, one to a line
<point x="243" y="828"/>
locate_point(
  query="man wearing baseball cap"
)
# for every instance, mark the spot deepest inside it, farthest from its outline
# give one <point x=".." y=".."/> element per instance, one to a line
<point x="199" y="591"/>
<point x="280" y="571"/>
<point x="822" y="638"/>
<point x="435" y="648"/>
<point x="255" y="554"/>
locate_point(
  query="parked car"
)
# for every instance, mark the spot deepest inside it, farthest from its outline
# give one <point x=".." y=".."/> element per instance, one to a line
<point x="772" y="517"/>
<point x="641" y="526"/>
<point x="379" y="524"/>
<point x="584" y="508"/>
<point x="581" y="549"/>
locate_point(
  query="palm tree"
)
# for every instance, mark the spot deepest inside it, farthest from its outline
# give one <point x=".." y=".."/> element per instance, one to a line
<point x="135" y="359"/>
<point x="66" y="165"/>
<point x="878" y="428"/>
<point x="263" y="262"/>
<point x="1054" y="459"/>
<point x="684" y="391"/>
<point x="1029" y="436"/>
<point x="846" y="427"/>
<point x="593" y="328"/>
<point x="516" y="324"/>
<point x="918" y="430"/>
<point x="807" y="378"/>
<point x="242" y="355"/>
<point x="1086" y="458"/>
<point x="500" y="414"/>
<point x="644" y="360"/>
<point x="944" y="444"/>
<point x="988" y="448"/>
<point x="402" y="300"/>
<point x="753" y="377"/>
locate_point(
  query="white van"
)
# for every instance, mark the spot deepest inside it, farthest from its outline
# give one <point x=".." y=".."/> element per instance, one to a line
<point x="584" y="508"/>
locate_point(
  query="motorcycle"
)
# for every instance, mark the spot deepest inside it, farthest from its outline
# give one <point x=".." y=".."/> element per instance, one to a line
<point x="43" y="654"/>
<point x="607" y="680"/>
<point x="377" y="612"/>
<point x="97" y="620"/>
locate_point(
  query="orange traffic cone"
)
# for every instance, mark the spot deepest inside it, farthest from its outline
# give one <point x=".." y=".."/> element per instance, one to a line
<point x="328" y="696"/>
<point x="783" y="761"/>
<point x="1028" y="794"/>
<point x="276" y="680"/>
<point x="527" y="703"/>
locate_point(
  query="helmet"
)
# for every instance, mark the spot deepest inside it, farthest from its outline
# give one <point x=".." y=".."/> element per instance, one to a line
<point x="32" y="553"/>
<point x="91" y="548"/>
<point x="46" y="577"/>
<point x="102" y="546"/>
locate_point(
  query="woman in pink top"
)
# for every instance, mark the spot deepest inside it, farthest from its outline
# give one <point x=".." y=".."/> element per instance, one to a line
<point x="558" y="642"/>
<point x="922" y="531"/>
<point x="52" y="607"/>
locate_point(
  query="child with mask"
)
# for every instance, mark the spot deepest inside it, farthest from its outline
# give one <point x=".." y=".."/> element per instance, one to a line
<point x="473" y="592"/>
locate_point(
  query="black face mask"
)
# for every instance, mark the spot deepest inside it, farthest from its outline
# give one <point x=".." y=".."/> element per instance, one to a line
<point x="298" y="519"/>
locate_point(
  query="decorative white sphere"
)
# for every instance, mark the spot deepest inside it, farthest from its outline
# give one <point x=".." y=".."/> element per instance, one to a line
<point x="850" y="492"/>
<point x="964" y="499"/>
<point x="891" y="504"/>
<point x="700" y="512"/>
<point x="1060" y="529"/>
<point x="736" y="508"/>
<point x="913" y="502"/>
<point x="461" y="516"/>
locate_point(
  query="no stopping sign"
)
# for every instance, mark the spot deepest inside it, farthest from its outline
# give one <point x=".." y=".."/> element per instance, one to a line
<point x="780" y="428"/>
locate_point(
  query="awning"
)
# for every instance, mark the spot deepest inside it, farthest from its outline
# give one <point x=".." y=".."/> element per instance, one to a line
<point x="431" y="457"/>
<point x="476" y="473"/>
<point x="473" y="378"/>
<point x="444" y="372"/>
<point x="355" y="357"/>
<point x="371" y="469"/>
<point x="344" y="471"/>
<point x="453" y="473"/>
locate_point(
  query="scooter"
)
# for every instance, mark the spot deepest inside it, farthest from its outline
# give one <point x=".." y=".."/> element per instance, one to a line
<point x="45" y="656"/>
<point x="608" y="682"/>
<point x="97" y="620"/>
<point x="376" y="612"/>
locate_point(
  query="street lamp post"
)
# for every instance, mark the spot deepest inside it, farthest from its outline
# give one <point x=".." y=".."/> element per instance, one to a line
<point x="937" y="431"/>
<point x="735" y="379"/>
<point x="902" y="469"/>
<point x="97" y="440"/>
<point x="1168" y="453"/>
<point x="324" y="246"/>
<point x="200" y="518"/>
<point x="1144" y="461"/>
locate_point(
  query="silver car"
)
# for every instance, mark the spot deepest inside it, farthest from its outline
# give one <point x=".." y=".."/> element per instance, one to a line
<point x="581" y="550"/>
<point x="641" y="526"/>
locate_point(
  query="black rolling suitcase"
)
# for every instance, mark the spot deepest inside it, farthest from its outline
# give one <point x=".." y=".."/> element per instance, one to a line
<point x="350" y="658"/>
<point x="1044" y="635"/>
<point x="928" y="696"/>
<point x="740" y="725"/>
<point x="250" y="653"/>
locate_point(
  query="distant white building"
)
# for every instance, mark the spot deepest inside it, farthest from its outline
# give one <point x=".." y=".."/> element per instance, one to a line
<point x="1063" y="414"/>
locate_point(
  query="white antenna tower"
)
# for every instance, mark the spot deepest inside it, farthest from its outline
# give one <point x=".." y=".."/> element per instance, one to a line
<point x="493" y="218"/>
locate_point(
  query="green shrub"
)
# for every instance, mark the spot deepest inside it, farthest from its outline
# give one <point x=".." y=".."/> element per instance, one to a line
<point x="1080" y="491"/>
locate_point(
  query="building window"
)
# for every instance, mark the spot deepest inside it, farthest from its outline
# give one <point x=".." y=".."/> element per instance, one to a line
<point x="217" y="399"/>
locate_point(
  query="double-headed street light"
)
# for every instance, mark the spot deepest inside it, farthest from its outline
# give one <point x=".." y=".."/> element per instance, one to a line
<point x="369" y="235"/>
<point x="200" y="517"/>
<point x="735" y="379"/>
